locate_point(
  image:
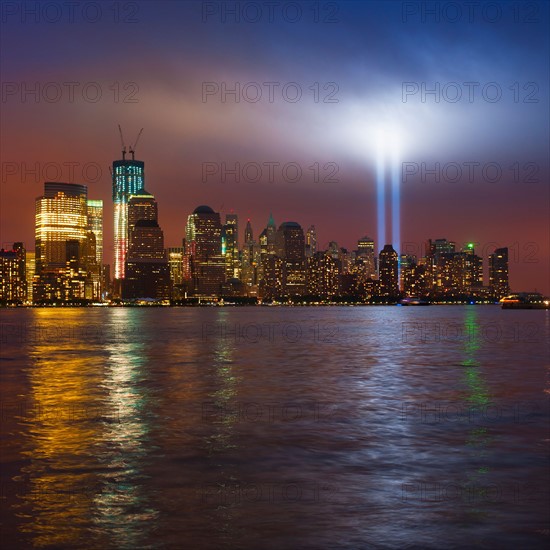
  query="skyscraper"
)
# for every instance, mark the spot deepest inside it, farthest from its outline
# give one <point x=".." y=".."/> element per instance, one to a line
<point x="61" y="218"/>
<point x="204" y="247"/>
<point x="364" y="268"/>
<point x="365" y="255"/>
<point x="146" y="241"/>
<point x="440" y="246"/>
<point x="498" y="272"/>
<point x="128" y="179"/>
<point x="290" y="247"/>
<point x="147" y="272"/>
<point x="95" y="244"/>
<point x="175" y="256"/>
<point x="63" y="241"/>
<point x="271" y="284"/>
<point x="388" y="273"/>
<point x="439" y="254"/>
<point x="311" y="242"/>
<point x="230" y="245"/>
<point x="248" y="235"/>
<point x="268" y="237"/>
<point x="30" y="270"/>
<point x="473" y="267"/>
<point x="95" y="224"/>
<point x="141" y="206"/>
<point x="21" y="254"/>
<point x="271" y="235"/>
<point x="251" y="268"/>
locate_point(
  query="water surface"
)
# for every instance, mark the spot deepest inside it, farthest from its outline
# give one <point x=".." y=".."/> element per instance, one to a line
<point x="270" y="427"/>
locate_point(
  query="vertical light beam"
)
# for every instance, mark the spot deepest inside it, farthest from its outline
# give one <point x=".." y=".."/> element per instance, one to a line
<point x="380" y="197"/>
<point x="395" y="201"/>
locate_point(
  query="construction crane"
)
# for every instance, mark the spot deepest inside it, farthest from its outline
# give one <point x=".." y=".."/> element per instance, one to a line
<point x="122" y="143"/>
<point x="132" y="148"/>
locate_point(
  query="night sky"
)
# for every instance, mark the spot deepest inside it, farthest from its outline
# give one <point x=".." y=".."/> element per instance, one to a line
<point x="358" y="53"/>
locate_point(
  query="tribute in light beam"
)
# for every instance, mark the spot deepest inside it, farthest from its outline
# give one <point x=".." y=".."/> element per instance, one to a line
<point x="380" y="196"/>
<point x="388" y="149"/>
<point x="395" y="200"/>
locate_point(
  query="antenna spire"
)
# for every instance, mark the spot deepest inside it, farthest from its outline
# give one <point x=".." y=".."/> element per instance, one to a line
<point x="122" y="143"/>
<point x="132" y="148"/>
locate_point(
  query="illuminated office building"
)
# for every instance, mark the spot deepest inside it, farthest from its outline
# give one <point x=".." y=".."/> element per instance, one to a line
<point x="268" y="238"/>
<point x="290" y="247"/>
<point x="271" y="235"/>
<point x="13" y="282"/>
<point x="311" y="242"/>
<point x="68" y="229"/>
<point x="440" y="246"/>
<point x="498" y="272"/>
<point x="450" y="272"/>
<point x="65" y="245"/>
<point x="95" y="224"/>
<point x="271" y="284"/>
<point x="175" y="257"/>
<point x="30" y="271"/>
<point x="388" y="272"/>
<point x="203" y="243"/>
<point x="142" y="206"/>
<point x="94" y="250"/>
<point x="61" y="221"/>
<point x="473" y="266"/>
<point x="323" y="275"/>
<point x="413" y="280"/>
<point x="147" y="272"/>
<point x="230" y="245"/>
<point x="128" y="178"/>
<point x="438" y="264"/>
<point x="365" y="257"/>
<point x="251" y="265"/>
<point x="248" y="234"/>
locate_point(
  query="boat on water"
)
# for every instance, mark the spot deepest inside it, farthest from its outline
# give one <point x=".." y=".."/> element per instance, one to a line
<point x="525" y="300"/>
<point x="414" y="301"/>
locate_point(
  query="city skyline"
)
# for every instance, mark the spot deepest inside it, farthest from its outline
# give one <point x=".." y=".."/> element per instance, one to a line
<point x="525" y="256"/>
<point x="379" y="87"/>
<point x="285" y="263"/>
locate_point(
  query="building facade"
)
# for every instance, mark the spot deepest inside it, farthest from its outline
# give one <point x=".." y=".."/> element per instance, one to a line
<point x="203" y="241"/>
<point x="388" y="272"/>
<point x="128" y="178"/>
<point x="498" y="273"/>
<point x="65" y="246"/>
<point x="13" y="277"/>
<point x="147" y="272"/>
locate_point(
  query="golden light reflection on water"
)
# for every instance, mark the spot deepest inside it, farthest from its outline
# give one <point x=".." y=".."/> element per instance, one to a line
<point x="86" y="440"/>
<point x="55" y="498"/>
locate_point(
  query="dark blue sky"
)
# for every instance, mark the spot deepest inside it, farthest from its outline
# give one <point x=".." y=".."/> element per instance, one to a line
<point x="358" y="54"/>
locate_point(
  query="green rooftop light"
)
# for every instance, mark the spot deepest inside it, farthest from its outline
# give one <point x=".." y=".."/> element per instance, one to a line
<point x="470" y="245"/>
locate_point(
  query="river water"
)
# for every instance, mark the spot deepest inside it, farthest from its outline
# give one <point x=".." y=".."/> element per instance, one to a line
<point x="271" y="427"/>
